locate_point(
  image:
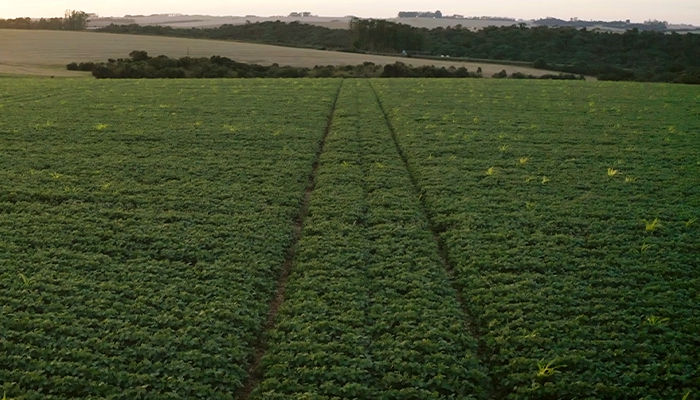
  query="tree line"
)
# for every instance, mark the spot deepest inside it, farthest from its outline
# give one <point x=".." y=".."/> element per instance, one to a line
<point x="633" y="55"/>
<point x="141" y="65"/>
<point x="72" y="21"/>
<point x="293" y="34"/>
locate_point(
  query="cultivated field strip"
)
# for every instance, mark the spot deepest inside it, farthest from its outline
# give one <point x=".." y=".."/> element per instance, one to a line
<point x="143" y="226"/>
<point x="569" y="212"/>
<point x="369" y="310"/>
<point x="261" y="345"/>
<point x="467" y="309"/>
<point x="312" y="239"/>
<point x="30" y="96"/>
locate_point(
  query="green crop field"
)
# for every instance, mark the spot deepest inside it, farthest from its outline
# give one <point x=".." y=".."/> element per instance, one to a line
<point x="356" y="239"/>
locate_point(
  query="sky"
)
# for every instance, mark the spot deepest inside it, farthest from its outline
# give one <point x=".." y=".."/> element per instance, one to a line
<point x="674" y="11"/>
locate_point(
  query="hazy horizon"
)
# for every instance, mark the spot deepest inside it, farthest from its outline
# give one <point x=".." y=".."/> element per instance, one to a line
<point x="673" y="11"/>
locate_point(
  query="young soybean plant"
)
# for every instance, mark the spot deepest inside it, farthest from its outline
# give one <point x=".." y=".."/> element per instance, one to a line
<point x="651" y="226"/>
<point x="653" y="320"/>
<point x="26" y="281"/>
<point x="547" y="370"/>
<point x="645" y="246"/>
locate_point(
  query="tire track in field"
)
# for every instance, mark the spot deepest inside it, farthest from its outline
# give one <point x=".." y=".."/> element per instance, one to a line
<point x="254" y="372"/>
<point x="474" y="329"/>
<point x="29" y="96"/>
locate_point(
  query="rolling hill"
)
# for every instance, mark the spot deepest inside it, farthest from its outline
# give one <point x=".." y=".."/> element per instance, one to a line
<point x="45" y="53"/>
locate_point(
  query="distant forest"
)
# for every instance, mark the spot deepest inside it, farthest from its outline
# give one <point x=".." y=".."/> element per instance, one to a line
<point x="280" y="33"/>
<point x="654" y="25"/>
<point x="634" y="55"/>
<point x="72" y="21"/>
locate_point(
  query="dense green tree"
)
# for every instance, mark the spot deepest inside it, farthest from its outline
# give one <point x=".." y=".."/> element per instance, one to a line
<point x="75" y="20"/>
<point x="644" y="55"/>
<point x="641" y="54"/>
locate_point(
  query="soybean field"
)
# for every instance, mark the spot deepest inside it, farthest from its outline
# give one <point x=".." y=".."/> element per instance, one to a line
<point x="349" y="239"/>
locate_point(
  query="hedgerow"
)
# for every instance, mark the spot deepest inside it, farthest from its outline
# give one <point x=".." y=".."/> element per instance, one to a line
<point x="140" y="65"/>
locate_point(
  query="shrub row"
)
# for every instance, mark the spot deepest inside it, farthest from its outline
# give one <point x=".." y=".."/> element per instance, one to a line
<point x="141" y="65"/>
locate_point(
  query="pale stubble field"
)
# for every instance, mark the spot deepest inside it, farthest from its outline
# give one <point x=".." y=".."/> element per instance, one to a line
<point x="46" y="53"/>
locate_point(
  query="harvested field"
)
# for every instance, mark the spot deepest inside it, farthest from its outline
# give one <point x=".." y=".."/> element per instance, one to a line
<point x="208" y="21"/>
<point x="46" y="53"/>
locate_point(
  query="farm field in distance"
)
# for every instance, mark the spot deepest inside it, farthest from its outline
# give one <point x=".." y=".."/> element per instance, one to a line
<point x="332" y="239"/>
<point x="46" y="53"/>
<point x="205" y="21"/>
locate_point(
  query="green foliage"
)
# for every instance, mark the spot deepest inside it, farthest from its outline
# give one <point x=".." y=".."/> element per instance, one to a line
<point x="500" y="75"/>
<point x="380" y="35"/>
<point x="401" y="70"/>
<point x="634" y="55"/>
<point x="141" y="65"/>
<point x="144" y="223"/>
<point x="24" y="279"/>
<point x="565" y="280"/>
<point x="271" y="32"/>
<point x="73" y="20"/>
<point x="653" y="320"/>
<point x="651" y="226"/>
<point x="370" y="312"/>
<point x="546" y="370"/>
<point x="138" y="260"/>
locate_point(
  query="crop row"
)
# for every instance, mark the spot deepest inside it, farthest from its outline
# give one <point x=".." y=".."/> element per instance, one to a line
<point x="142" y="229"/>
<point x="143" y="225"/>
<point x="369" y="310"/>
<point x="569" y="212"/>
